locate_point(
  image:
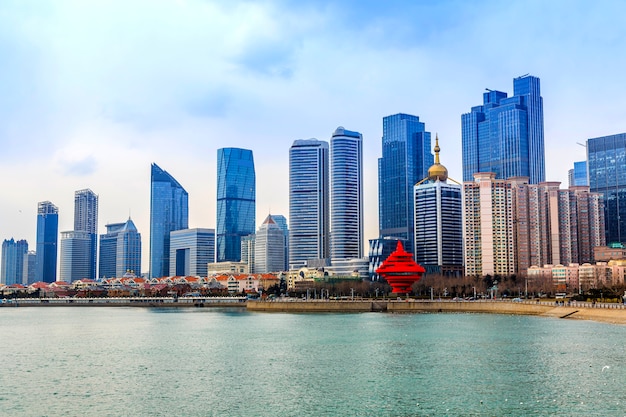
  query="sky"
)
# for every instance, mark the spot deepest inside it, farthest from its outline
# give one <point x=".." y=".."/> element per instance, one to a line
<point x="93" y="92"/>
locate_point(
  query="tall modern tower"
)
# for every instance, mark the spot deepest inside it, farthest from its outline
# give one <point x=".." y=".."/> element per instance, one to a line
<point x="191" y="250"/>
<point x="439" y="222"/>
<point x="606" y="157"/>
<point x="47" y="239"/>
<point x="346" y="195"/>
<point x="405" y="161"/>
<point x="76" y="250"/>
<point x="120" y="250"/>
<point x="505" y="134"/>
<point x="308" y="201"/>
<point x="12" y="263"/>
<point x="269" y="247"/>
<point x="86" y="220"/>
<point x="236" y="201"/>
<point x="169" y="210"/>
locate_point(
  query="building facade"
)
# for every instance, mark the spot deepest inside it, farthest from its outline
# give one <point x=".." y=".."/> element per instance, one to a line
<point x="86" y="221"/>
<point x="191" y="250"/>
<point x="269" y="248"/>
<point x="309" y="205"/>
<point x="236" y="201"/>
<point x="439" y="222"/>
<point x="606" y="157"/>
<point x="47" y="240"/>
<point x="281" y="221"/>
<point x="120" y="250"/>
<point x="169" y="211"/>
<point x="405" y="160"/>
<point x="75" y="255"/>
<point x="379" y="250"/>
<point x="346" y="194"/>
<point x="12" y="263"/>
<point x="577" y="176"/>
<point x="504" y="135"/>
<point x="511" y="225"/>
<point x="29" y="269"/>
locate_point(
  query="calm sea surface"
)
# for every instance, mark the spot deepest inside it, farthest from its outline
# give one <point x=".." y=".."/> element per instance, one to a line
<point x="230" y="362"/>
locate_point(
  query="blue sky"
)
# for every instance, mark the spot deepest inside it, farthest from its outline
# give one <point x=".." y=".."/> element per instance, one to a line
<point x="93" y="92"/>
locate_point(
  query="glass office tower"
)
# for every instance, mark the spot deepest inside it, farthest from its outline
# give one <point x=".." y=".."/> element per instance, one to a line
<point x="346" y="195"/>
<point x="308" y="201"/>
<point x="47" y="239"/>
<point x="236" y="201"/>
<point x="606" y="157"/>
<point x="505" y="134"/>
<point x="86" y="221"/>
<point x="120" y="250"/>
<point x="169" y="210"/>
<point x="406" y="157"/>
<point x="12" y="264"/>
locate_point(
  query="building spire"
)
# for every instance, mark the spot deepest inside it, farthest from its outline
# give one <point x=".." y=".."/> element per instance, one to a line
<point x="437" y="149"/>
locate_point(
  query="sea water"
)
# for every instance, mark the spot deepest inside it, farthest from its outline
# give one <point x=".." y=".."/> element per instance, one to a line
<point x="90" y="361"/>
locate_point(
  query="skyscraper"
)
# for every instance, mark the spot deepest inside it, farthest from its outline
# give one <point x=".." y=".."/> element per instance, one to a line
<point x="606" y="156"/>
<point x="76" y="256"/>
<point x="12" y="264"/>
<point x="578" y="175"/>
<point x="308" y="201"/>
<point x="86" y="220"/>
<point x="346" y="195"/>
<point x="269" y="247"/>
<point x="169" y="210"/>
<point x="29" y="271"/>
<point x="120" y="250"/>
<point x="505" y="134"/>
<point x="191" y="250"/>
<point x="281" y="221"/>
<point x="439" y="222"/>
<point x="47" y="239"/>
<point x="236" y="201"/>
<point x="405" y="160"/>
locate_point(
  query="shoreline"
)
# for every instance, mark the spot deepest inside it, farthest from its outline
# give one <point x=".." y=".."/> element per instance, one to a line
<point x="604" y="313"/>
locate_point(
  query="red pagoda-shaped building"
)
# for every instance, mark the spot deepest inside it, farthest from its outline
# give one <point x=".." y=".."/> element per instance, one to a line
<point x="400" y="270"/>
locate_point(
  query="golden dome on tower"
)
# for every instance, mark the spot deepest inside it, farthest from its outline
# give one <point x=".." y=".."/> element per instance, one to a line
<point x="437" y="171"/>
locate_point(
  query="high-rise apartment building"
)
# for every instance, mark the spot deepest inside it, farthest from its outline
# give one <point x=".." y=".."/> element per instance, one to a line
<point x="606" y="157"/>
<point x="76" y="256"/>
<point x="405" y="160"/>
<point x="169" y="211"/>
<point x="191" y="250"/>
<point x="236" y="201"/>
<point x="269" y="247"/>
<point x="439" y="222"/>
<point x="120" y="250"/>
<point x="309" y="201"/>
<point x="12" y="264"/>
<point x="47" y="239"/>
<point x="505" y="134"/>
<point x="346" y="195"/>
<point x="511" y="225"/>
<point x="86" y="220"/>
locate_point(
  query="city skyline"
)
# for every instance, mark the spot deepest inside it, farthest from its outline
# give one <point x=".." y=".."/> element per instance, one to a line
<point x="81" y="111"/>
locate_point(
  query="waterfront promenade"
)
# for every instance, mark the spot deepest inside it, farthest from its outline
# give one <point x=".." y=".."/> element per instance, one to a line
<point x="601" y="312"/>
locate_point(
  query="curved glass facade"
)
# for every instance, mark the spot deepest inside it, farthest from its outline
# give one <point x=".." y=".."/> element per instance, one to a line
<point x="308" y="201"/>
<point x="236" y="201"/>
<point x="346" y="171"/>
<point x="169" y="210"/>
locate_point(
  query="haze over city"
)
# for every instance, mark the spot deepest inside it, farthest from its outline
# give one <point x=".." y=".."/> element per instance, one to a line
<point x="94" y="92"/>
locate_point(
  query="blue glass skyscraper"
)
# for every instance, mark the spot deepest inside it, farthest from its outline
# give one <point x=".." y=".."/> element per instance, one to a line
<point x="505" y="134"/>
<point x="308" y="201"/>
<point x="12" y="263"/>
<point x="47" y="239"/>
<point x="405" y="160"/>
<point x="120" y="250"/>
<point x="236" y="201"/>
<point x="346" y="195"/>
<point x="606" y="157"/>
<point x="169" y="210"/>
